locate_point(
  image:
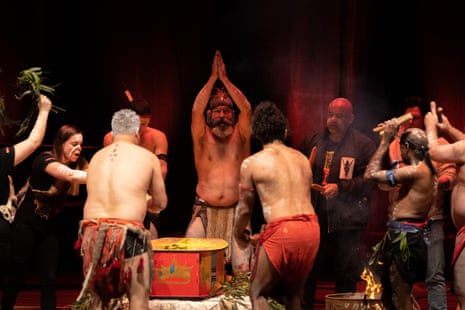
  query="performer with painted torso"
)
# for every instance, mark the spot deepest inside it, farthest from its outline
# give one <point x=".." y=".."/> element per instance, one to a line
<point x="221" y="140"/>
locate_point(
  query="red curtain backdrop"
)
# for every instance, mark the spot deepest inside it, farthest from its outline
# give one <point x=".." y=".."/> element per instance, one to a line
<point x="298" y="53"/>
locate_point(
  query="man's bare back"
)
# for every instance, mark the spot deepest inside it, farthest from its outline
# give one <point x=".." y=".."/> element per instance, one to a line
<point x="153" y="140"/>
<point x="284" y="192"/>
<point x="418" y="184"/>
<point x="415" y="197"/>
<point x="117" y="187"/>
<point x="121" y="177"/>
<point x="287" y="245"/>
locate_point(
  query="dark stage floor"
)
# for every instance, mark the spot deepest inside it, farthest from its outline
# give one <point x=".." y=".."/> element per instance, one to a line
<point x="69" y="287"/>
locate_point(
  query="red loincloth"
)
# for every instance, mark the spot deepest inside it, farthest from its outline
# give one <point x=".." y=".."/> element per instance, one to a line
<point x="291" y="244"/>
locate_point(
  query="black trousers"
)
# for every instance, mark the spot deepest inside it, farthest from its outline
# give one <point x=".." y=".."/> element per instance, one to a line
<point x="27" y="242"/>
<point x="4" y="249"/>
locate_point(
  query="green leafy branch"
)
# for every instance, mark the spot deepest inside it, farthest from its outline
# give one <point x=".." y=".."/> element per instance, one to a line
<point x="86" y="303"/>
<point x="378" y="249"/>
<point x="236" y="289"/>
<point x="30" y="84"/>
<point x="403" y="246"/>
<point x="377" y="255"/>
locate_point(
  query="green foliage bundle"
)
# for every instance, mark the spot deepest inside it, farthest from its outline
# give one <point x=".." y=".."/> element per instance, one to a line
<point x="30" y="84"/>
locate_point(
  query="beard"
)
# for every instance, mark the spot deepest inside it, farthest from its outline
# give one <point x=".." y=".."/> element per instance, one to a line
<point x="222" y="131"/>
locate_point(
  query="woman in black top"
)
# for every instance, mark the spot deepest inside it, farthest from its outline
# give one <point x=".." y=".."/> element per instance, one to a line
<point x="55" y="174"/>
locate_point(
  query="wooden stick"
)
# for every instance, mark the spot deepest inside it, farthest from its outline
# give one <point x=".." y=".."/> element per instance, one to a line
<point x="318" y="187"/>
<point x="400" y="120"/>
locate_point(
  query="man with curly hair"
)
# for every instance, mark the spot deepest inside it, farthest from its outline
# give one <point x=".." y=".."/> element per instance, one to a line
<point x="288" y="245"/>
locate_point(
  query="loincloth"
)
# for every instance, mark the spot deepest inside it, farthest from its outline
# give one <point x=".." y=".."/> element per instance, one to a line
<point x="223" y="217"/>
<point x="291" y="244"/>
<point x="106" y="245"/>
<point x="459" y="244"/>
<point x="404" y="244"/>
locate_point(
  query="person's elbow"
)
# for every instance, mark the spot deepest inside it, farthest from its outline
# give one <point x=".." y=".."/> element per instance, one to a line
<point x="159" y="204"/>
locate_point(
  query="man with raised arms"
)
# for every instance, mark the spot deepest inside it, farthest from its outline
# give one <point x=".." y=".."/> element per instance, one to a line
<point x="221" y="140"/>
